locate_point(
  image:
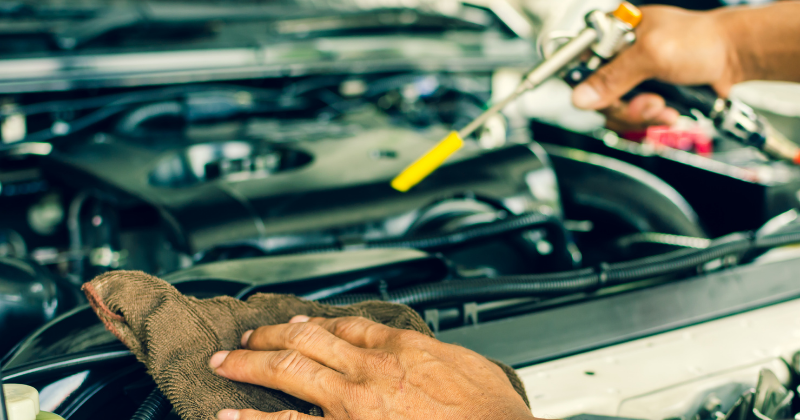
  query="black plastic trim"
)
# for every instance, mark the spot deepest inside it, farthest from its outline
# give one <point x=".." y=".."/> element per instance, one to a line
<point x="566" y="330"/>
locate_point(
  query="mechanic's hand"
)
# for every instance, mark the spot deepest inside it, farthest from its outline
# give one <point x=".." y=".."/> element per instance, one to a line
<point x="354" y="368"/>
<point x="673" y="45"/>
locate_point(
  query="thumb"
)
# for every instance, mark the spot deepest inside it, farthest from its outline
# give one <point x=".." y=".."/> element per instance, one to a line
<point x="257" y="415"/>
<point x="611" y="81"/>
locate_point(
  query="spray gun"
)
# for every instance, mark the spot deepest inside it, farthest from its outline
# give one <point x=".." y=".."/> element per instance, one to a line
<point x="606" y="35"/>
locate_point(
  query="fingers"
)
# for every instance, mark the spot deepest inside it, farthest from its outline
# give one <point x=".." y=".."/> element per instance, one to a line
<point x="650" y="109"/>
<point x="644" y="110"/>
<point x="287" y="370"/>
<point x="357" y="331"/>
<point x="258" y="415"/>
<point x="612" y="81"/>
<point x="310" y="339"/>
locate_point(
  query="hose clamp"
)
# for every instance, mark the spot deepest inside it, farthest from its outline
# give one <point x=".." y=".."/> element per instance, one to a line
<point x="383" y="290"/>
<point x="602" y="274"/>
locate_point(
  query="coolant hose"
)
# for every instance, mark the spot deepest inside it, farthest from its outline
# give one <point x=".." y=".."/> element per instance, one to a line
<point x="497" y="288"/>
<point x="155" y="407"/>
<point x="577" y="281"/>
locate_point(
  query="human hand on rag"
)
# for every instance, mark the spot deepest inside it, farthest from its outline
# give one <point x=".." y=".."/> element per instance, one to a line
<point x="355" y="368"/>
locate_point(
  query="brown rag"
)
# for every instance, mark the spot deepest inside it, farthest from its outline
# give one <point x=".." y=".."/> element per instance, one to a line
<point x="175" y="335"/>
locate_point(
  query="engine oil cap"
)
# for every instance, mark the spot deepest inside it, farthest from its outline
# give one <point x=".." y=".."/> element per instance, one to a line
<point x="22" y="403"/>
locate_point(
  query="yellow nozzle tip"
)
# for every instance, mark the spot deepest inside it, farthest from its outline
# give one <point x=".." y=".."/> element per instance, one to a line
<point x="628" y="13"/>
<point x="428" y="163"/>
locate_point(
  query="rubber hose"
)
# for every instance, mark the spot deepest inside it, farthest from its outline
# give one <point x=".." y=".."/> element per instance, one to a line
<point x="508" y="225"/>
<point x="677" y="261"/>
<point x="778" y="239"/>
<point x="492" y="289"/>
<point x="344" y="300"/>
<point x="155" y="407"/>
<point x="131" y="122"/>
<point x="436" y="241"/>
<point x="585" y="280"/>
<point x="662" y="239"/>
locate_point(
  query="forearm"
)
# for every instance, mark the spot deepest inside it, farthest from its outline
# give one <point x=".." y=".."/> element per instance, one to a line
<point x="765" y="41"/>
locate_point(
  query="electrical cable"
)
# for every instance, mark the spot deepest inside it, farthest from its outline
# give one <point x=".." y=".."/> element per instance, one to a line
<point x="662" y="239"/>
<point x="438" y="241"/>
<point x="579" y="281"/>
<point x="155" y="407"/>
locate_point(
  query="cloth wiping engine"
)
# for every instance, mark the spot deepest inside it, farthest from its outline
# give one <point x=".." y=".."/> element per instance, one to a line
<point x="175" y="335"/>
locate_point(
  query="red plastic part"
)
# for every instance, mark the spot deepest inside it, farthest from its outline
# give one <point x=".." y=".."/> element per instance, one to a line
<point x="688" y="139"/>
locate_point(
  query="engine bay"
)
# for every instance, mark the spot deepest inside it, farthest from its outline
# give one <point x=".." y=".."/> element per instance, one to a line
<point x="577" y="258"/>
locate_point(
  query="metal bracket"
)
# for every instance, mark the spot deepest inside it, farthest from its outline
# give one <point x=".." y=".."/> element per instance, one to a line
<point x="432" y="319"/>
<point x="471" y="313"/>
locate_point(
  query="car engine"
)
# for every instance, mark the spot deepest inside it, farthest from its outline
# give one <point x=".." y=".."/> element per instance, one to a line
<point x="252" y="152"/>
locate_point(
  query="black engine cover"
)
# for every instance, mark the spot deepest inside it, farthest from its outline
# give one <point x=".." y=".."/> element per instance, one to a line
<point x="219" y="193"/>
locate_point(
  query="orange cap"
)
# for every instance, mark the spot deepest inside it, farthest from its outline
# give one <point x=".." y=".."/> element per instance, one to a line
<point x="628" y="13"/>
<point x="796" y="159"/>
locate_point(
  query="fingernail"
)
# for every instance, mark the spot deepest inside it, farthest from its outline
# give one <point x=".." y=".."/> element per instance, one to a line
<point x="299" y="318"/>
<point x="585" y="97"/>
<point x="246" y="337"/>
<point x="651" y="111"/>
<point x="228" y="415"/>
<point x="217" y="359"/>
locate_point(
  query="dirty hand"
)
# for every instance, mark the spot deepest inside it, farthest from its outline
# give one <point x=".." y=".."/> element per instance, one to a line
<point x="673" y="45"/>
<point x="356" y="368"/>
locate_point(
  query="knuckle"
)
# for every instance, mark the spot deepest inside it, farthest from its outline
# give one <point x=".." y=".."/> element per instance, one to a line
<point x="659" y="52"/>
<point x="347" y="324"/>
<point x="288" y="363"/>
<point x="651" y="45"/>
<point x="275" y="365"/>
<point x="408" y="337"/>
<point x="372" y="329"/>
<point x="303" y="333"/>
